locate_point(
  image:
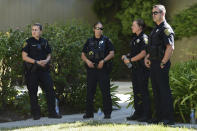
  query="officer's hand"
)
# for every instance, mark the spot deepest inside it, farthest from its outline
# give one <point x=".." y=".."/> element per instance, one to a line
<point x="100" y="65"/>
<point x="90" y="64"/>
<point x="44" y="62"/>
<point x="147" y="62"/>
<point x="40" y="63"/>
<point x="123" y="56"/>
<point x="126" y="61"/>
<point x="162" y="65"/>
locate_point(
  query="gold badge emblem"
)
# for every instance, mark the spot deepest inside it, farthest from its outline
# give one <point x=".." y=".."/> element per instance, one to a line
<point x="25" y="43"/>
<point x="91" y="53"/>
<point x="146" y="40"/>
<point x="167" y="32"/>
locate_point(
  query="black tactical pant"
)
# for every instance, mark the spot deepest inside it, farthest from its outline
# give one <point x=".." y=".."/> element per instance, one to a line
<point x="101" y="77"/>
<point x="161" y="90"/>
<point x="44" y="79"/>
<point x="141" y="94"/>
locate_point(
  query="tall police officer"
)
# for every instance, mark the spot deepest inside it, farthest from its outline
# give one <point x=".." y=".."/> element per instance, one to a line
<point x="139" y="72"/>
<point x="36" y="53"/>
<point x="161" y="46"/>
<point x="97" y="54"/>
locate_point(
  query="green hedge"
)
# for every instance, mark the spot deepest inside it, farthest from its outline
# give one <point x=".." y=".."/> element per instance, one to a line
<point x="185" y="22"/>
<point x="67" y="69"/>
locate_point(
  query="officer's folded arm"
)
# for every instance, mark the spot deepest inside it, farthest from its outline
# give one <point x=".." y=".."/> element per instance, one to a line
<point x="44" y="62"/>
<point x="139" y="56"/>
<point x="109" y="56"/>
<point x="26" y="58"/>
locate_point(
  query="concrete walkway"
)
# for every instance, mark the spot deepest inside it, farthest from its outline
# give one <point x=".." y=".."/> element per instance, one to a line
<point x="118" y="116"/>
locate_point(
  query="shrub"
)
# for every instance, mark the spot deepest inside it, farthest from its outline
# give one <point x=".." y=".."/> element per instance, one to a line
<point x="67" y="68"/>
<point x="183" y="82"/>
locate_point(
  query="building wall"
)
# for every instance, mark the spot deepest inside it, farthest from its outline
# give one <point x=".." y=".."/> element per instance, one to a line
<point x="175" y="6"/>
<point x="186" y="48"/>
<point x="15" y="13"/>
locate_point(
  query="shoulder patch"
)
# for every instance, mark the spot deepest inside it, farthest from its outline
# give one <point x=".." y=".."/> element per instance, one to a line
<point x="146" y="40"/>
<point x="167" y="32"/>
<point x="25" y="44"/>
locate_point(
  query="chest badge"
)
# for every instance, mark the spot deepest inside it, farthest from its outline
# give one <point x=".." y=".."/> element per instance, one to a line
<point x="157" y="30"/>
<point x="138" y="40"/>
<point x="100" y="42"/>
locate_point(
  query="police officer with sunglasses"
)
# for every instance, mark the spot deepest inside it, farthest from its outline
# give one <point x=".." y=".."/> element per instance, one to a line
<point x="160" y="49"/>
<point x="97" y="54"/>
<point x="36" y="54"/>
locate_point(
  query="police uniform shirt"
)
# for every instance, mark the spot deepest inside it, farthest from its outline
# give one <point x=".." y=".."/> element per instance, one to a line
<point x="37" y="49"/>
<point x="162" y="34"/>
<point x="138" y="44"/>
<point x="108" y="46"/>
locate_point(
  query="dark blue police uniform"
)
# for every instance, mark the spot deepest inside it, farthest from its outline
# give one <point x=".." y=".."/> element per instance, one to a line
<point x="139" y="75"/>
<point x="37" y="75"/>
<point x="161" y="35"/>
<point x="96" y="50"/>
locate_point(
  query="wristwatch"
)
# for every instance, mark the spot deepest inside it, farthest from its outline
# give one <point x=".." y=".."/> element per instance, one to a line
<point x="104" y="61"/>
<point x="35" y="62"/>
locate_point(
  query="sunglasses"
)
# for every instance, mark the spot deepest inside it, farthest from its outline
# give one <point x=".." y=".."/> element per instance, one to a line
<point x="98" y="28"/>
<point x="155" y="13"/>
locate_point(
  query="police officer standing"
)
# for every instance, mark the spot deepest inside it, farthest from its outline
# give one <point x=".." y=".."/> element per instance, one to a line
<point x="161" y="46"/>
<point x="139" y="72"/>
<point x="97" y="54"/>
<point x="36" y="54"/>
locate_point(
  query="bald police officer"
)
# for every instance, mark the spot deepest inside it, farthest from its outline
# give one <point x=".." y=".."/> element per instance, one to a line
<point x="97" y="54"/>
<point x="36" y="54"/>
<point x="161" y="46"/>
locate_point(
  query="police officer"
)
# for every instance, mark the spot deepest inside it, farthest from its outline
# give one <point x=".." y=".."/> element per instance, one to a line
<point x="161" y="46"/>
<point x="97" y="54"/>
<point x="139" y="73"/>
<point x="36" y="54"/>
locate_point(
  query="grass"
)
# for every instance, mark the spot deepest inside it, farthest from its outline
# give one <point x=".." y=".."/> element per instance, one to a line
<point x="96" y="126"/>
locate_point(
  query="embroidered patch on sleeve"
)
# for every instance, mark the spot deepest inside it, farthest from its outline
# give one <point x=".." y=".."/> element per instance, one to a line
<point x="146" y="40"/>
<point x="167" y="32"/>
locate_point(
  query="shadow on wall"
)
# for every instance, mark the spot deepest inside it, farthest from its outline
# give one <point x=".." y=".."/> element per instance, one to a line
<point x="16" y="13"/>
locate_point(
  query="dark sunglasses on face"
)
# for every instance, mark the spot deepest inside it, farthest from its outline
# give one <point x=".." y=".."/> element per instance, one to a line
<point x="97" y="28"/>
<point x="155" y="13"/>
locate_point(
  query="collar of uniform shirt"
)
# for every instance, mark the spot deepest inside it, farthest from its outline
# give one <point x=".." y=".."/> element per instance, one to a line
<point x="161" y="24"/>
